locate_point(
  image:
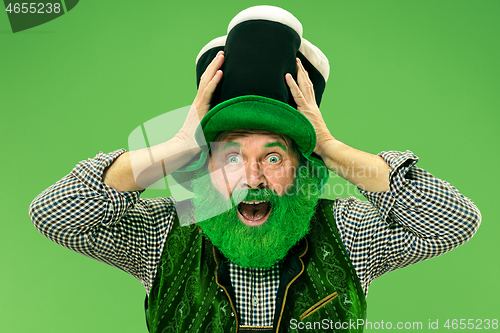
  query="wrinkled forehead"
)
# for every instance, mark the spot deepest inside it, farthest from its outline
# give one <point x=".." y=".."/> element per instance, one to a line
<point x="233" y="135"/>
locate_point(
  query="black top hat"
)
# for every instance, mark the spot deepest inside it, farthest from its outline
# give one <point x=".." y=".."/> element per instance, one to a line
<point x="261" y="46"/>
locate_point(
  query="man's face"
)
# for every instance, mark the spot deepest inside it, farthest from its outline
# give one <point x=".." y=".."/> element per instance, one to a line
<point x="250" y="203"/>
<point x="263" y="160"/>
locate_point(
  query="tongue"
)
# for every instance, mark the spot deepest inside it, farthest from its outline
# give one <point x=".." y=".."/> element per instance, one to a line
<point x="254" y="212"/>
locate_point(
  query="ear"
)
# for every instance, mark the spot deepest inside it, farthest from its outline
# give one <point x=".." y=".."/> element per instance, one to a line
<point x="210" y="166"/>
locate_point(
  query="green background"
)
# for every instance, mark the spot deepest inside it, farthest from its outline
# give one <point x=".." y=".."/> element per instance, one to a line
<point x="419" y="75"/>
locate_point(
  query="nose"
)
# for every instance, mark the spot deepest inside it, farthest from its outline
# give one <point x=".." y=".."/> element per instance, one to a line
<point x="255" y="177"/>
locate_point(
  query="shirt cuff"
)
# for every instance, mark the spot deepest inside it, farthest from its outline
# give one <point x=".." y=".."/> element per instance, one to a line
<point x="399" y="163"/>
<point x="90" y="173"/>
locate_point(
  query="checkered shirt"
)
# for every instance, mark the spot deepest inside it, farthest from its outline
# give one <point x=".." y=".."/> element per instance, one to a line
<point x="255" y="290"/>
<point x="420" y="217"/>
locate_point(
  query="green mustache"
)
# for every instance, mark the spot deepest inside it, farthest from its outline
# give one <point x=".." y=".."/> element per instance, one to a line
<point x="255" y="195"/>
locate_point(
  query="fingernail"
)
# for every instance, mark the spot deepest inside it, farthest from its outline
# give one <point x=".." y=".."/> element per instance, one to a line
<point x="298" y="60"/>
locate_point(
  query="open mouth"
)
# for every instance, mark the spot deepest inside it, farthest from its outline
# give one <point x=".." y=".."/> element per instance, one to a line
<point x="254" y="213"/>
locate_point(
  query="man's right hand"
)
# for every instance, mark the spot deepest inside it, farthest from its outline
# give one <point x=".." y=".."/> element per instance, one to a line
<point x="138" y="169"/>
<point x="201" y="105"/>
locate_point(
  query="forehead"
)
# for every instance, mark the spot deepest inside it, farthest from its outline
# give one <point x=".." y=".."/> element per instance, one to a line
<point x="237" y="135"/>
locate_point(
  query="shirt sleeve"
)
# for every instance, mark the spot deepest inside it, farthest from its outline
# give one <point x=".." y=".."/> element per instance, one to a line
<point x="420" y="217"/>
<point x="121" y="229"/>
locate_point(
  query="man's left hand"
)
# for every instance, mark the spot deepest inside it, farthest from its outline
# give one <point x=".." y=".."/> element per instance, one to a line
<point x="350" y="163"/>
<point x="303" y="94"/>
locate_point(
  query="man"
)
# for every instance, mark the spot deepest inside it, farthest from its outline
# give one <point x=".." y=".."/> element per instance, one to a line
<point x="265" y="254"/>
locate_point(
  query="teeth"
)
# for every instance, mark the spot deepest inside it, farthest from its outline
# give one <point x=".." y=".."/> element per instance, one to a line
<point x="252" y="202"/>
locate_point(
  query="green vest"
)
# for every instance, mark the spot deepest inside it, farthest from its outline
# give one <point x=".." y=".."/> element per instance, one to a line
<point x="318" y="291"/>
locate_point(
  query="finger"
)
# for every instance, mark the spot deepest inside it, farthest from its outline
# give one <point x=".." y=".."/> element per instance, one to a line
<point x="297" y="94"/>
<point x="305" y="83"/>
<point x="214" y="65"/>
<point x="211" y="69"/>
<point x="209" y="90"/>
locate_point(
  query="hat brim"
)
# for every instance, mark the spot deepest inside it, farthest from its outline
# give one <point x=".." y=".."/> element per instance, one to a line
<point x="259" y="113"/>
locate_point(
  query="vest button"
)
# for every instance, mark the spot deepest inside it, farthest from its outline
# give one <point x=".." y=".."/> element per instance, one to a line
<point x="221" y="290"/>
<point x="232" y="314"/>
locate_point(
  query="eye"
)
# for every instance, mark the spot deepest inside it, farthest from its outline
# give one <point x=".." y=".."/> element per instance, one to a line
<point x="273" y="159"/>
<point x="233" y="159"/>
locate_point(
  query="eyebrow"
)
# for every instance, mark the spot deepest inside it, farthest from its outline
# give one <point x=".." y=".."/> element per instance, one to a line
<point x="275" y="144"/>
<point x="231" y="144"/>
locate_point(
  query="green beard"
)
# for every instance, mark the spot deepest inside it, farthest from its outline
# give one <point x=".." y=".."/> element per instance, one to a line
<point x="259" y="246"/>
